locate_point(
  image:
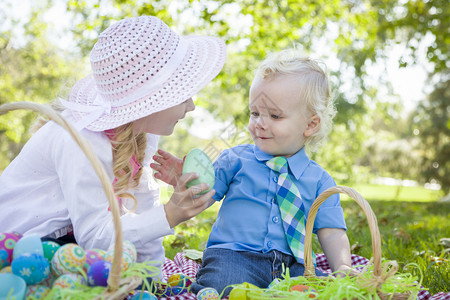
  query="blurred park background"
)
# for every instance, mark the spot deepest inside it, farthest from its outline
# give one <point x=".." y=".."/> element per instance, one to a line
<point x="389" y="67"/>
<point x="388" y="61"/>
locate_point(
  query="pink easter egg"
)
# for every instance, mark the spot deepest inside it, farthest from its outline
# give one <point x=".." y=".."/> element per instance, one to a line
<point x="92" y="256"/>
<point x="7" y="242"/>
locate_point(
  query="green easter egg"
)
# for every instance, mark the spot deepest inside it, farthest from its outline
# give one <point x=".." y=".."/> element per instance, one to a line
<point x="198" y="162"/>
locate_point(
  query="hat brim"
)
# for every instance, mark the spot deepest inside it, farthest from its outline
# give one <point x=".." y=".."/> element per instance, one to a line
<point x="203" y="61"/>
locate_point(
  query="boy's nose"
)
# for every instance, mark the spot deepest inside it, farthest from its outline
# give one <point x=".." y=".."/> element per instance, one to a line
<point x="260" y="123"/>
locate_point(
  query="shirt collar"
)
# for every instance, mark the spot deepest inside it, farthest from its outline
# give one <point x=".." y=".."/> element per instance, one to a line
<point x="297" y="163"/>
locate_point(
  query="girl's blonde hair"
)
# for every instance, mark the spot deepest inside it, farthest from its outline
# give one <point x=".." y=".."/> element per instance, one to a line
<point x="314" y="85"/>
<point x="124" y="144"/>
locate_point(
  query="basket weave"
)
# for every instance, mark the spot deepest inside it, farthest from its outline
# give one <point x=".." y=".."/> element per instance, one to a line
<point x="118" y="288"/>
<point x="380" y="273"/>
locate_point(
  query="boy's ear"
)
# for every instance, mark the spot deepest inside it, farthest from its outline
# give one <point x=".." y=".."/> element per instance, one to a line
<point x="313" y="126"/>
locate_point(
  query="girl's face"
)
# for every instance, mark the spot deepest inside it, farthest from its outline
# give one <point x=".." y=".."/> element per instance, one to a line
<point x="279" y="120"/>
<point x="163" y="122"/>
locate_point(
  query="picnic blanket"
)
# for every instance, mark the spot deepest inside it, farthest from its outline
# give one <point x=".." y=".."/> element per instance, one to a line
<point x="181" y="264"/>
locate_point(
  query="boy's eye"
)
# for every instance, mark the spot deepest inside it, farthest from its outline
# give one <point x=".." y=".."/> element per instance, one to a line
<point x="254" y="113"/>
<point x="275" y="117"/>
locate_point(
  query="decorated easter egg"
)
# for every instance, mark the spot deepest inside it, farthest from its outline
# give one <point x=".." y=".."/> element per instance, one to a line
<point x="48" y="282"/>
<point x="207" y="294"/>
<point x="37" y="291"/>
<point x="98" y="273"/>
<point x="129" y="248"/>
<point x="127" y="260"/>
<point x="4" y="258"/>
<point x="32" y="267"/>
<point x="197" y="161"/>
<point x="68" y="281"/>
<point x="28" y="244"/>
<point x="145" y="296"/>
<point x="50" y="249"/>
<point x="69" y="258"/>
<point x="168" y="291"/>
<point x="179" y="280"/>
<point x="7" y="242"/>
<point x="92" y="256"/>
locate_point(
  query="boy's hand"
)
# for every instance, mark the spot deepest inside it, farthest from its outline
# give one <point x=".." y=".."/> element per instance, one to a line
<point x="344" y="270"/>
<point x="182" y="205"/>
<point x="169" y="168"/>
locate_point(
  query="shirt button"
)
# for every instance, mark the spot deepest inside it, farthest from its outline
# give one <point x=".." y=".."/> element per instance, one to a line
<point x="275" y="179"/>
<point x="274" y="200"/>
<point x="269" y="244"/>
<point x="275" y="219"/>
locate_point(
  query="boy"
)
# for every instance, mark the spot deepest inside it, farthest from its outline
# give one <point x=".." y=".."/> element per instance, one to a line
<point x="254" y="234"/>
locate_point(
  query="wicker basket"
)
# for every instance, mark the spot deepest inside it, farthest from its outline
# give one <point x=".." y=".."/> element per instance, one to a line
<point x="380" y="273"/>
<point x="118" y="288"/>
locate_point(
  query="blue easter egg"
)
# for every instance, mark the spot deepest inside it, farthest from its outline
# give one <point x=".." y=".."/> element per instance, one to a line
<point x="28" y="244"/>
<point x="98" y="273"/>
<point x="32" y="267"/>
<point x="145" y="296"/>
<point x="3" y="258"/>
<point x="12" y="286"/>
<point x="207" y="294"/>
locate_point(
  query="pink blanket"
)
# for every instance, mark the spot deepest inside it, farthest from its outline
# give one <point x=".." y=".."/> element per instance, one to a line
<point x="181" y="264"/>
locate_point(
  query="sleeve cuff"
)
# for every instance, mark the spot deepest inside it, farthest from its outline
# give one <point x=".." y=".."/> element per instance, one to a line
<point x="329" y="217"/>
<point x="150" y="225"/>
<point x="218" y="187"/>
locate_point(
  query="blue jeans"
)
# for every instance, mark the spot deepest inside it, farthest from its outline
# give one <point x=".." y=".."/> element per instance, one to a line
<point x="222" y="267"/>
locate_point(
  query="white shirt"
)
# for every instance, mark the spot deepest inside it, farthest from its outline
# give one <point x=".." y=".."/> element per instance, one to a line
<point x="51" y="186"/>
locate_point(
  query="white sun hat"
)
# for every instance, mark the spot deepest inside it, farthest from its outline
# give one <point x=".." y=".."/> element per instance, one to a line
<point x="140" y="66"/>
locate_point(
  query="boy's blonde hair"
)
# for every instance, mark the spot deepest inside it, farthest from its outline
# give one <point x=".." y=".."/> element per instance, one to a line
<point x="314" y="84"/>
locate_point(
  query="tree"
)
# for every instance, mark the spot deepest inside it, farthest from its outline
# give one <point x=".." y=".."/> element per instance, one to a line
<point x="433" y="127"/>
<point x="34" y="72"/>
<point x="349" y="35"/>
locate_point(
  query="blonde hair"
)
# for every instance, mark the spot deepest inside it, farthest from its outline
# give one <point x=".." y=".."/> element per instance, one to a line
<point x="124" y="144"/>
<point x="315" y="87"/>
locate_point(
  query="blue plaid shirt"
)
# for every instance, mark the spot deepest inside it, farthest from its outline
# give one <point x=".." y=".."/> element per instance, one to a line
<point x="249" y="218"/>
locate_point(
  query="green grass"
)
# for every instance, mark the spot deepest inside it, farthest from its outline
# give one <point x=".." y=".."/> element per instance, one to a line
<point x="388" y="192"/>
<point x="410" y="227"/>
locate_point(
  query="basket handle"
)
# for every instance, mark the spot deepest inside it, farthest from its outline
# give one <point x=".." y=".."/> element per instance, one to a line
<point x="114" y="276"/>
<point x="371" y="218"/>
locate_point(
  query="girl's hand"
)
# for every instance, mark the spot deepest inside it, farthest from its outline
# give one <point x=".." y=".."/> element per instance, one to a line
<point x="182" y="205"/>
<point x="169" y="168"/>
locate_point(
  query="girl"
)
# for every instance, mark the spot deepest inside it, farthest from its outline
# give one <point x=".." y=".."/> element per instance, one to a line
<point x="143" y="78"/>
